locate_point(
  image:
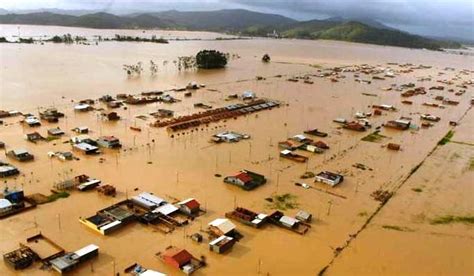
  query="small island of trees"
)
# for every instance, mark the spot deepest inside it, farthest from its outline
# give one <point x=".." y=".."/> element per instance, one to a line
<point x="211" y="59"/>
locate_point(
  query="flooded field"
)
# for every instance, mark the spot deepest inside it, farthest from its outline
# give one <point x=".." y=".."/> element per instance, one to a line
<point x="351" y="233"/>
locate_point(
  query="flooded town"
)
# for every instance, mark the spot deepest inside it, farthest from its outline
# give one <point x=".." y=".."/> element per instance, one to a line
<point x="297" y="157"/>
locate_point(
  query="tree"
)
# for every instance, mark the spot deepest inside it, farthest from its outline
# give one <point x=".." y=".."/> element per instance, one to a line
<point x="266" y="58"/>
<point x="211" y="59"/>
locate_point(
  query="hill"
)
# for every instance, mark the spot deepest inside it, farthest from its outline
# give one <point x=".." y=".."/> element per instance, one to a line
<point x="241" y="22"/>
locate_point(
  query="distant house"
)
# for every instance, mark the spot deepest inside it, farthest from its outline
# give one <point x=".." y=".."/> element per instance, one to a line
<point x="189" y="206"/>
<point x="398" y="124"/>
<point x="32" y="121"/>
<point x="83" y="138"/>
<point x="229" y="137"/>
<point x="81" y="130"/>
<point x="51" y="115"/>
<point x="21" y="155"/>
<point x="329" y="178"/>
<point x="61" y="155"/>
<point x="109" y="142"/>
<point x="55" y="132"/>
<point x="111" y="116"/>
<point x="221" y="244"/>
<point x="34" y="137"/>
<point x="86" y="148"/>
<point x="222" y="226"/>
<point x="82" y="107"/>
<point x="245" y="179"/>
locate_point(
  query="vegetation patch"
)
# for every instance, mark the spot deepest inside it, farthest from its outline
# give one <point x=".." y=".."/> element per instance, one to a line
<point x="446" y="138"/>
<point x="471" y="164"/>
<point x="374" y="137"/>
<point x="58" y="195"/>
<point x="362" y="214"/>
<point x="418" y="190"/>
<point x="453" y="219"/>
<point x="307" y="175"/>
<point x="397" y="228"/>
<point x="211" y="59"/>
<point x="282" y="202"/>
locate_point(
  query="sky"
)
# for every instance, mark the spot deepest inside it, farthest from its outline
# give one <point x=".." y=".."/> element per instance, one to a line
<point x="443" y="18"/>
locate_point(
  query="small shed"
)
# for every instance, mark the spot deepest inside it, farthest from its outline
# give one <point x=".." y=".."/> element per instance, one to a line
<point x="221" y="244"/>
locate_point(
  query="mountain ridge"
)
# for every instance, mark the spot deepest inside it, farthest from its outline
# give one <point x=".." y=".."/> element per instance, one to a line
<point x="239" y="22"/>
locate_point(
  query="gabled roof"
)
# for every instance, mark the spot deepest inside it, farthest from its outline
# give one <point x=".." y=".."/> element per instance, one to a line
<point x="191" y="203"/>
<point x="244" y="177"/>
<point x="223" y="225"/>
<point x="181" y="256"/>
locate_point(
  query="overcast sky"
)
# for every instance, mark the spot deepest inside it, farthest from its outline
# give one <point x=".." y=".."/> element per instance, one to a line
<point x="429" y="17"/>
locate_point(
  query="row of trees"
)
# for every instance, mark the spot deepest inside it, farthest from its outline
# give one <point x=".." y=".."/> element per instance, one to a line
<point x="205" y="59"/>
<point x="67" y="38"/>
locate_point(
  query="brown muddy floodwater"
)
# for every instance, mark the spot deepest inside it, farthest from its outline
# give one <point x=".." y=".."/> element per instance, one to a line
<point x="34" y="76"/>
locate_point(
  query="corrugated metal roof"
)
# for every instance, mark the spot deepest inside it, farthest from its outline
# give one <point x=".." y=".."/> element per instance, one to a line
<point x="288" y="220"/>
<point x="86" y="250"/>
<point x="166" y="209"/>
<point x="222" y="224"/>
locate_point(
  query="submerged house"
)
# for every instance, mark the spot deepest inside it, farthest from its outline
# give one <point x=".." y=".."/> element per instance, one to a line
<point x="111" y="116"/>
<point x="245" y="179"/>
<point x="247" y="217"/>
<point x="221" y="244"/>
<point x="81" y="130"/>
<point x="8" y="170"/>
<point x="69" y="261"/>
<point x="290" y="223"/>
<point x="51" y="115"/>
<point x="189" y="206"/>
<point x="55" y="131"/>
<point x="229" y="137"/>
<point x="110" y="142"/>
<point x="32" y="121"/>
<point x="82" y="107"/>
<point x="34" y="137"/>
<point x="398" y="124"/>
<point x="21" y="155"/>
<point x="86" y="148"/>
<point x="329" y="178"/>
<point x="181" y="259"/>
<point x="109" y="219"/>
<point x="222" y="226"/>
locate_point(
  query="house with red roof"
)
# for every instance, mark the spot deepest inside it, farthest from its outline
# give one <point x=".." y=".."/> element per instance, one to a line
<point x="189" y="206"/>
<point x="181" y="259"/>
<point x="246" y="180"/>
